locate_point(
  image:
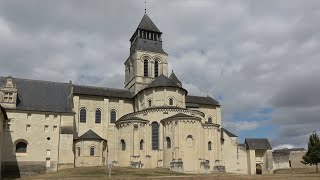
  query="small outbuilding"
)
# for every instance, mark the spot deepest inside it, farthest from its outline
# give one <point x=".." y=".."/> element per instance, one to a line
<point x="259" y="155"/>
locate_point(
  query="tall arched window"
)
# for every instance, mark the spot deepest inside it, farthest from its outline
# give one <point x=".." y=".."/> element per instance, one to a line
<point x="155" y="135"/>
<point x="83" y="115"/>
<point x="113" y="116"/>
<point x="168" y="142"/>
<point x="209" y="146"/>
<point x="123" y="145"/>
<point x="78" y="151"/>
<point x="209" y="120"/>
<point x="141" y="144"/>
<point x="92" y="151"/>
<point x="21" y="147"/>
<point x="145" y="68"/>
<point x="156" y="69"/>
<point x="171" y="102"/>
<point x="98" y="116"/>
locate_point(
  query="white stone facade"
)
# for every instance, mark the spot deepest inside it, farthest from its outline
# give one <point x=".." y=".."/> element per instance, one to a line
<point x="151" y="123"/>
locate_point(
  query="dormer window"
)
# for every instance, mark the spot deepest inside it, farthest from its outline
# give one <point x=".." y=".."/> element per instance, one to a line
<point x="9" y="92"/>
<point x="8" y="97"/>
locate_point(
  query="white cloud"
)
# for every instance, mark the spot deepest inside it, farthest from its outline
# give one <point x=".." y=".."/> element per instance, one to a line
<point x="253" y="54"/>
<point x="243" y="125"/>
<point x="283" y="146"/>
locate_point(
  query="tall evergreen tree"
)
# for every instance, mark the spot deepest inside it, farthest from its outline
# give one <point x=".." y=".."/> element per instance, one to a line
<point x="312" y="157"/>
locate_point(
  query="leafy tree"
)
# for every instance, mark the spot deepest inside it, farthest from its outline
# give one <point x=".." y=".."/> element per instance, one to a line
<point x="312" y="157"/>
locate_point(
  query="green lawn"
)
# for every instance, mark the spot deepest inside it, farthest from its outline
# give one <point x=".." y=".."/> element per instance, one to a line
<point x="161" y="173"/>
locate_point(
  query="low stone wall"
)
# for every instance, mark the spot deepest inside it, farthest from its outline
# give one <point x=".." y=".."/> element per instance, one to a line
<point x="295" y="159"/>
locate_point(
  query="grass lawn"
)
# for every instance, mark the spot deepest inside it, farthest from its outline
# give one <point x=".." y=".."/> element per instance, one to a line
<point x="161" y="173"/>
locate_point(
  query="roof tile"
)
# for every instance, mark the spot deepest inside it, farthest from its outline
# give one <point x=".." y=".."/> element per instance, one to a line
<point x="101" y="91"/>
<point x="36" y="95"/>
<point x="257" y="143"/>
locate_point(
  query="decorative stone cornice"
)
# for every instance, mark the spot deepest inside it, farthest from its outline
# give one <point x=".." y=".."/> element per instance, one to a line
<point x="128" y="122"/>
<point x="192" y="120"/>
<point x="164" y="109"/>
<point x="210" y="125"/>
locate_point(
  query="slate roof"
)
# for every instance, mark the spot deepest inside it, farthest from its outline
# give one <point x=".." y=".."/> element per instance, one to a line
<point x="174" y="78"/>
<point x="228" y="133"/>
<point x="131" y="118"/>
<point x="163" y="81"/>
<point x="36" y="95"/>
<point x="90" y="135"/>
<point x="181" y="115"/>
<point x="257" y="143"/>
<point x="147" y="45"/>
<point x="147" y="24"/>
<point x="201" y="100"/>
<point x="192" y="105"/>
<point x="289" y="150"/>
<point x="101" y="91"/>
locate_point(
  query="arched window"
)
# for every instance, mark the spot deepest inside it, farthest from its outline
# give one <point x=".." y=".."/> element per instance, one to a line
<point x="168" y="142"/>
<point x="21" y="147"/>
<point x="113" y="116"/>
<point x="92" y="151"/>
<point x="98" y="116"/>
<point x="141" y="144"/>
<point x="156" y="69"/>
<point x="145" y="68"/>
<point x="209" y="146"/>
<point x="83" y="115"/>
<point x="189" y="141"/>
<point x="123" y="145"/>
<point x="209" y="120"/>
<point x="155" y="135"/>
<point x="78" y="151"/>
<point x="150" y="103"/>
<point x="171" y="102"/>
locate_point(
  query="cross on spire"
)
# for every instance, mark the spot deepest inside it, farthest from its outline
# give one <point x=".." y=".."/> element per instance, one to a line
<point x="145" y="6"/>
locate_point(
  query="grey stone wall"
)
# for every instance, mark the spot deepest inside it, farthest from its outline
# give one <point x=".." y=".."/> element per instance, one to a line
<point x="295" y="159"/>
<point x="280" y="160"/>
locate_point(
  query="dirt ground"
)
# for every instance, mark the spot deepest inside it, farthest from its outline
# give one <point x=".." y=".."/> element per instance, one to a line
<point x="130" y="173"/>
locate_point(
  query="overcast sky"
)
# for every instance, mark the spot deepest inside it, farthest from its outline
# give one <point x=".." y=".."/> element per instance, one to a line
<point x="260" y="59"/>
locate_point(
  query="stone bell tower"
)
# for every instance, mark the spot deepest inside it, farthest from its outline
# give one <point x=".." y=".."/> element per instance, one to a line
<point x="147" y="59"/>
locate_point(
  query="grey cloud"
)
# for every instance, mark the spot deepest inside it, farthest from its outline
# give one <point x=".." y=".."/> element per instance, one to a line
<point x="254" y="54"/>
<point x="303" y="92"/>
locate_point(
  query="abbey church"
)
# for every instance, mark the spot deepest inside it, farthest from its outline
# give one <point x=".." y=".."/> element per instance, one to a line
<point x="152" y="123"/>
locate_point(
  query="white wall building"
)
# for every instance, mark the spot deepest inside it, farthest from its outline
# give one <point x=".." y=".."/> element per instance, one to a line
<point x="151" y="123"/>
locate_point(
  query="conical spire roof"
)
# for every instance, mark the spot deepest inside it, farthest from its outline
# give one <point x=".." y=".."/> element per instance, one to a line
<point x="147" y="24"/>
<point x="174" y="78"/>
<point x="162" y="81"/>
<point x="90" y="135"/>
